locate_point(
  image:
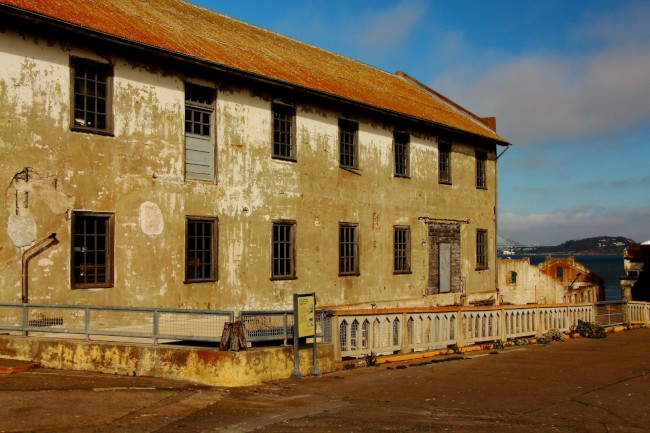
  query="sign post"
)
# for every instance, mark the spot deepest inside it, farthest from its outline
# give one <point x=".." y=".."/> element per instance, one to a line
<point x="304" y="325"/>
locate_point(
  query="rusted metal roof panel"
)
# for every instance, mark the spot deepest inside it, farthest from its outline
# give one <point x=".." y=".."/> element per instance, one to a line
<point x="190" y="30"/>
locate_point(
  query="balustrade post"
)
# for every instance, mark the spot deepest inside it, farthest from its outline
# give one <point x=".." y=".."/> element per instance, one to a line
<point x="335" y="335"/>
<point x="404" y="347"/>
<point x="502" y="324"/>
<point x="538" y="322"/>
<point x="460" y="330"/>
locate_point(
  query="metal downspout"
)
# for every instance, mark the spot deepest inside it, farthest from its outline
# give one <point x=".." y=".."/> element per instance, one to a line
<point x="25" y="296"/>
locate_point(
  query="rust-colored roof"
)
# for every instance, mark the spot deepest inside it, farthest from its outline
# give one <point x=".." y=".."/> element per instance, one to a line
<point x="193" y="31"/>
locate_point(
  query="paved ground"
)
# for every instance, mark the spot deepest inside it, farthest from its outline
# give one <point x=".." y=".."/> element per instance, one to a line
<point x="576" y="386"/>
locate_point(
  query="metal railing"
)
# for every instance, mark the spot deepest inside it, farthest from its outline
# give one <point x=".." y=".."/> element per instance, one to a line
<point x="260" y="326"/>
<point x="105" y="322"/>
<point x="610" y="313"/>
<point x="355" y="334"/>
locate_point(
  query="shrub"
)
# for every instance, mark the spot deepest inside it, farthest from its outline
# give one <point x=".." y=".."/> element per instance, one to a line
<point x="589" y="330"/>
<point x="555" y="335"/>
<point x="371" y="359"/>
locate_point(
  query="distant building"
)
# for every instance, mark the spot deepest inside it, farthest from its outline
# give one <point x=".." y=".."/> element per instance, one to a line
<point x="555" y="280"/>
<point x="635" y="284"/>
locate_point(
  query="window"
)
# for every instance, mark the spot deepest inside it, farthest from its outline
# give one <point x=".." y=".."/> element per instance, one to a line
<point x="348" y="132"/>
<point x="348" y="249"/>
<point x="401" y="153"/>
<point x="444" y="162"/>
<point x="481" y="249"/>
<point x="284" y="264"/>
<point x="512" y="277"/>
<point x="200" y="249"/>
<point x="401" y="250"/>
<point x="199" y="134"/>
<point x="481" y="175"/>
<point x="283" y="137"/>
<point x="91" y="96"/>
<point x="559" y="273"/>
<point x="92" y="250"/>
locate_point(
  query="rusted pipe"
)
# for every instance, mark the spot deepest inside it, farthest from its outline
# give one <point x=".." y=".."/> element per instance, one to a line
<point x="25" y="297"/>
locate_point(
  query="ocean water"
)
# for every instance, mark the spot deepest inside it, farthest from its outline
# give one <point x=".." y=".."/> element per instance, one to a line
<point x="607" y="266"/>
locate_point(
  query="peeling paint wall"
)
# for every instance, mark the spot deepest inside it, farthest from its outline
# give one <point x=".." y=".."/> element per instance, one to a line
<point x="137" y="174"/>
<point x="540" y="284"/>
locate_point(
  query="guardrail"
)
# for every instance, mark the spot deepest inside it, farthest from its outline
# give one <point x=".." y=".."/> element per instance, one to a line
<point x="101" y="322"/>
<point x="362" y="333"/>
<point x="355" y="333"/>
<point x="278" y="325"/>
<point x="611" y="313"/>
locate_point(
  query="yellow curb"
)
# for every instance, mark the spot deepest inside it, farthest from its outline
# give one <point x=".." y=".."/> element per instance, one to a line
<point x="17" y="369"/>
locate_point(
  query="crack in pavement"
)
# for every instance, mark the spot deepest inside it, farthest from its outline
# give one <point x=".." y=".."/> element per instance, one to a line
<point x="293" y="413"/>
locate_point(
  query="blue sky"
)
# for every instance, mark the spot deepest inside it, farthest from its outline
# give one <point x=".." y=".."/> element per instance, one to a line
<point x="569" y="83"/>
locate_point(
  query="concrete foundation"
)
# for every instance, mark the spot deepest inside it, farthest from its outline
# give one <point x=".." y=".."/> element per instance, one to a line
<point x="202" y="365"/>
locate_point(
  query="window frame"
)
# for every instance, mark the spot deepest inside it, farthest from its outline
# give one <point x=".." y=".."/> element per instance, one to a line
<point x="481" y="170"/>
<point x="344" y="245"/>
<point x="444" y="162"/>
<point x="289" y="111"/>
<point x="214" y="249"/>
<point x="401" y="140"/>
<point x="109" y="264"/>
<point x="349" y="128"/>
<point x="291" y="275"/>
<point x="75" y="64"/>
<point x="204" y="107"/>
<point x="401" y="254"/>
<point x="482" y="249"/>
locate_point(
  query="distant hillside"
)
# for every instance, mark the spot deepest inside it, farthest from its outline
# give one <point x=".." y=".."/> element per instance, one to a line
<point x="596" y="245"/>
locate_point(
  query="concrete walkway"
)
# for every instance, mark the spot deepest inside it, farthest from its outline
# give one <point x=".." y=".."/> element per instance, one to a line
<point x="576" y="386"/>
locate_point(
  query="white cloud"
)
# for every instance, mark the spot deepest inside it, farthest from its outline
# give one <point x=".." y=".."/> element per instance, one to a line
<point x="554" y="96"/>
<point x="384" y="33"/>
<point x="575" y="223"/>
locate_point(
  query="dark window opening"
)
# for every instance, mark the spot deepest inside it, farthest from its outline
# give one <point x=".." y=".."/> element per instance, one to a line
<point x="91" y="96"/>
<point x="198" y="110"/>
<point x="402" y="249"/>
<point x="201" y="250"/>
<point x="444" y="163"/>
<point x="348" y="249"/>
<point x="481" y="175"/>
<point x="283" y="250"/>
<point x="283" y="137"/>
<point x="92" y="250"/>
<point x="481" y="249"/>
<point x="348" y="132"/>
<point x="401" y="154"/>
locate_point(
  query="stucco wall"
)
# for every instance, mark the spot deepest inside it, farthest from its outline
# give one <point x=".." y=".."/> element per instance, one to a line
<point x="137" y="174"/>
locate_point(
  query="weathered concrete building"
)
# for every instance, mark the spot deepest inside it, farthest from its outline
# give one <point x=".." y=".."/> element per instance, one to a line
<point x="182" y="158"/>
<point x="556" y="280"/>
